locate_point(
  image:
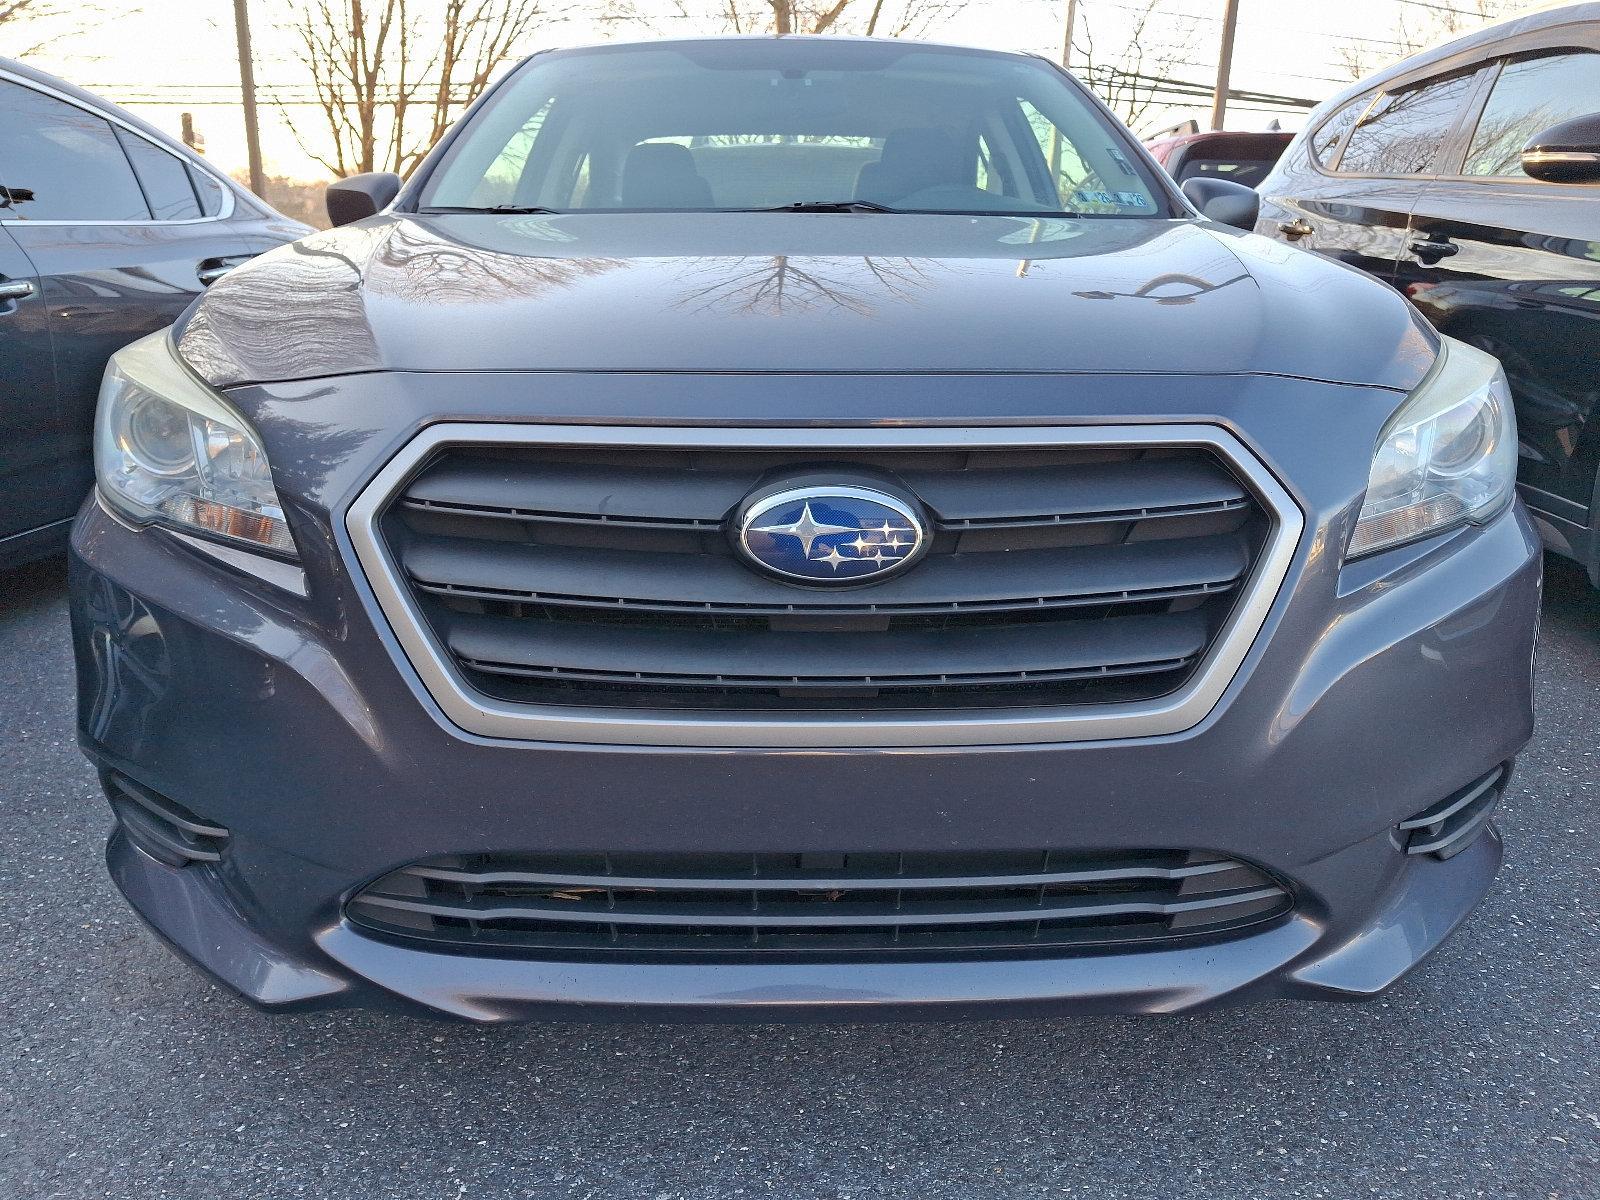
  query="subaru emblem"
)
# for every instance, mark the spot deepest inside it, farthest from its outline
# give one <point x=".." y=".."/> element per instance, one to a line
<point x="825" y="535"/>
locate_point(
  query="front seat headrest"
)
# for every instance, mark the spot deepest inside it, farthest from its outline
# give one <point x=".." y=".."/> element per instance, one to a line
<point x="911" y="160"/>
<point x="662" y="175"/>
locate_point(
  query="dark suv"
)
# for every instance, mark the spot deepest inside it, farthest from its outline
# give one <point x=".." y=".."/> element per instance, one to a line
<point x="108" y="230"/>
<point x="800" y="527"/>
<point x="1469" y="177"/>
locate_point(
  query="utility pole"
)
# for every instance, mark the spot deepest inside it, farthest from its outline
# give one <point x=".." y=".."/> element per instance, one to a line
<point x="1219" y="100"/>
<point x="1066" y="65"/>
<point x="247" y="89"/>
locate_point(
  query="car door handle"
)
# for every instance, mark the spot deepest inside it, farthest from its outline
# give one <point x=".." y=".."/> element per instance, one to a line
<point x="209" y="270"/>
<point x="1296" y="229"/>
<point x="16" y="289"/>
<point x="1430" y="250"/>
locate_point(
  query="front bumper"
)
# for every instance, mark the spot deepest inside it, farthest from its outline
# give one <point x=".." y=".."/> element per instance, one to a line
<point x="295" y="730"/>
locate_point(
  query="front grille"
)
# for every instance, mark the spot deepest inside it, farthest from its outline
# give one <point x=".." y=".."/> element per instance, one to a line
<point x="606" y="577"/>
<point x="819" y="905"/>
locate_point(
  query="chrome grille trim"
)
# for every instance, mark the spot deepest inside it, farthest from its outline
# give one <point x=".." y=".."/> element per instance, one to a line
<point x="458" y="704"/>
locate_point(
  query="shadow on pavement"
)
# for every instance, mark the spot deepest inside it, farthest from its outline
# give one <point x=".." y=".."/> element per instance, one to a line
<point x="1569" y="598"/>
<point x="32" y="586"/>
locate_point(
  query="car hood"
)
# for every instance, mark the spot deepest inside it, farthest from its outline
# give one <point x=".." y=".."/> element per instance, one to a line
<point x="797" y="293"/>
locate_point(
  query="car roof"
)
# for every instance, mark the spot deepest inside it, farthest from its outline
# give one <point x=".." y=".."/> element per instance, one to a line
<point x="838" y="40"/>
<point x="1481" y="39"/>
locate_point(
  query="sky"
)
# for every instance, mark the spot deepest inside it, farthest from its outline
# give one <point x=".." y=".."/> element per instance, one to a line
<point x="170" y="56"/>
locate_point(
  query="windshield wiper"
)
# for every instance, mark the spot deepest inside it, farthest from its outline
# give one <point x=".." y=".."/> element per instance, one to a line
<point x="872" y="206"/>
<point x="830" y="206"/>
<point x="488" y="208"/>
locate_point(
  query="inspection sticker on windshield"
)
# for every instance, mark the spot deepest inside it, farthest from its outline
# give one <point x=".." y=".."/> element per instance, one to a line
<point x="1119" y="199"/>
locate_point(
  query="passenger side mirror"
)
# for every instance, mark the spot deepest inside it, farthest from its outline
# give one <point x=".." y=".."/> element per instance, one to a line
<point x="1223" y="201"/>
<point x="1565" y="153"/>
<point x="361" y="196"/>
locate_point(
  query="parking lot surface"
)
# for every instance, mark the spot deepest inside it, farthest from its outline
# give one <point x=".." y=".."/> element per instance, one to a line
<point x="123" y="1074"/>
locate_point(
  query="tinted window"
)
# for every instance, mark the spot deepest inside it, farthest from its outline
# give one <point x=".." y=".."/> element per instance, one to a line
<point x="1402" y="132"/>
<point x="1530" y="96"/>
<point x="1248" y="172"/>
<point x="67" y="157"/>
<point x="165" y="179"/>
<point x="1327" y="138"/>
<point x="764" y="124"/>
<point x="209" y="191"/>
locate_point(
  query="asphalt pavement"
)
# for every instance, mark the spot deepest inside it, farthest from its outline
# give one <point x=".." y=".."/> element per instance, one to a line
<point x="123" y="1074"/>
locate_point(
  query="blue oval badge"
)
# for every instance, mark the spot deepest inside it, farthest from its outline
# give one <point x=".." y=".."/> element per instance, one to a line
<point x="832" y="535"/>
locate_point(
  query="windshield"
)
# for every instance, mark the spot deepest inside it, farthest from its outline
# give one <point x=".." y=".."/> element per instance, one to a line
<point x="739" y="124"/>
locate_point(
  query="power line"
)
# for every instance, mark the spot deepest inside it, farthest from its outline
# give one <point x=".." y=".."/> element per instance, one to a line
<point x="1445" y="8"/>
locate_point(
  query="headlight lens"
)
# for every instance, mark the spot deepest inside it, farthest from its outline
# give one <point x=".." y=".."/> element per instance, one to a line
<point x="1448" y="457"/>
<point x="168" y="450"/>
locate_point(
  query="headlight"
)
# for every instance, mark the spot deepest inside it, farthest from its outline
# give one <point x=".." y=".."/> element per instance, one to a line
<point x="1448" y="457"/>
<point x="169" y="451"/>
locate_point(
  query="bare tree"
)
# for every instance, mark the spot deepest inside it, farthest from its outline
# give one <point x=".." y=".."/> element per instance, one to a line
<point x="1131" y="76"/>
<point x="873" y="18"/>
<point x="15" y="15"/>
<point x="773" y="286"/>
<point x="45" y="21"/>
<point x="388" y="80"/>
<point x="1417" y="27"/>
<point x="13" y="12"/>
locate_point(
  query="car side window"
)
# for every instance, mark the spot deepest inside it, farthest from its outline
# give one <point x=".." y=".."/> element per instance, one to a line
<point x="1401" y="133"/>
<point x="60" y="162"/>
<point x="208" y="190"/>
<point x="1331" y="132"/>
<point x="164" y="177"/>
<point x="1531" y="95"/>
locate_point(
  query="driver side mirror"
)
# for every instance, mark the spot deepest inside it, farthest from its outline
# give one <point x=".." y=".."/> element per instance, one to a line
<point x="360" y="196"/>
<point x="1223" y="201"/>
<point x="1565" y="153"/>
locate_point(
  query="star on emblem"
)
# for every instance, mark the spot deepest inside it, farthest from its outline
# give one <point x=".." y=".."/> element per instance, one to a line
<point x="833" y="558"/>
<point x="806" y="530"/>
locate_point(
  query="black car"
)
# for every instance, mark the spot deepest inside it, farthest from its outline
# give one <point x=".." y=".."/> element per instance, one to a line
<point x="108" y="229"/>
<point x="1469" y="176"/>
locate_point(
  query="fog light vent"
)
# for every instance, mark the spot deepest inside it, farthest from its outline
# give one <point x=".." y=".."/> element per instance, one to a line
<point x="162" y="828"/>
<point x="1450" y="826"/>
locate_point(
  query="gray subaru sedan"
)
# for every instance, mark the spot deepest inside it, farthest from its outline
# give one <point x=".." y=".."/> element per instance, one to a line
<point x="801" y="528"/>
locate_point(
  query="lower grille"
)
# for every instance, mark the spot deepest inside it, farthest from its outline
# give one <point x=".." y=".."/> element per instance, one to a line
<point x="817" y="905"/>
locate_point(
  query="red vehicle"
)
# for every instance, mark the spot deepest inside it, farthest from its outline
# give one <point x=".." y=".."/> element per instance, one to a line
<point x="1240" y="157"/>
